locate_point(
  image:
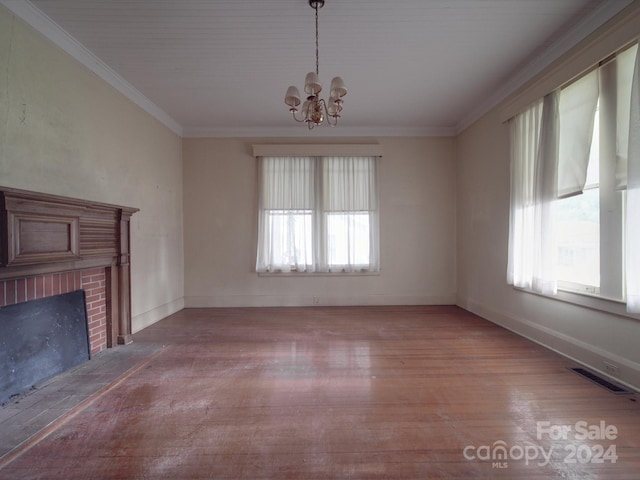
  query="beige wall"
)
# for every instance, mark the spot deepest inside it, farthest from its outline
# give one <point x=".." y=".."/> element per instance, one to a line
<point x="589" y="335"/>
<point x="417" y="196"/>
<point x="66" y="132"/>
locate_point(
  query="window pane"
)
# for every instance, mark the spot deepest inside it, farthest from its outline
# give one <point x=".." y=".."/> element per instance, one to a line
<point x="578" y="236"/>
<point x="578" y="226"/>
<point x="348" y="239"/>
<point x="290" y="236"/>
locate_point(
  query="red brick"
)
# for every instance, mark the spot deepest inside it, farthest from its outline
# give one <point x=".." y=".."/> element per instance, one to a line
<point x="98" y="311"/>
<point x="31" y="288"/>
<point x="95" y="338"/>
<point x="93" y="311"/>
<point x="98" y="346"/>
<point x="94" y="298"/>
<point x="92" y="271"/>
<point x="91" y="285"/>
<point x="48" y="285"/>
<point x="95" y="327"/>
<point x="21" y="290"/>
<point x="55" y="279"/>
<point x="77" y="283"/>
<point x="10" y="292"/>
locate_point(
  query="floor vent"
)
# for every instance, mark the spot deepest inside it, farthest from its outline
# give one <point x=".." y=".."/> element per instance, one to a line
<point x="613" y="388"/>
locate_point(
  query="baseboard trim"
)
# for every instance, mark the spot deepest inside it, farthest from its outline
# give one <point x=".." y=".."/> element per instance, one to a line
<point x="154" y="315"/>
<point x="308" y="301"/>
<point x="580" y="352"/>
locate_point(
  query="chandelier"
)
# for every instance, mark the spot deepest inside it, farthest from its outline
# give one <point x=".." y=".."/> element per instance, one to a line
<point x="315" y="110"/>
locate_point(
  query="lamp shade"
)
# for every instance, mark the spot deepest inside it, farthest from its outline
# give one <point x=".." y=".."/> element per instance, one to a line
<point x="312" y="85"/>
<point x="338" y="89"/>
<point x="292" y="98"/>
<point x="334" y="109"/>
<point x="305" y="108"/>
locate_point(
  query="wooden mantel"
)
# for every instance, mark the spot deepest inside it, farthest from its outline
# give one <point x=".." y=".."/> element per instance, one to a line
<point x="43" y="233"/>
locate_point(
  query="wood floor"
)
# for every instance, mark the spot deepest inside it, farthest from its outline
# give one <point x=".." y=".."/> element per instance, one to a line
<point x="342" y="393"/>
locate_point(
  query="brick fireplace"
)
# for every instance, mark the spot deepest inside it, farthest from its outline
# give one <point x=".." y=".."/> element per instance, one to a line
<point x="92" y="281"/>
<point x="51" y="245"/>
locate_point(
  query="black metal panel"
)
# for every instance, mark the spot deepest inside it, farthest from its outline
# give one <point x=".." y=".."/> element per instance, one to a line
<point x="613" y="388"/>
<point x="40" y="339"/>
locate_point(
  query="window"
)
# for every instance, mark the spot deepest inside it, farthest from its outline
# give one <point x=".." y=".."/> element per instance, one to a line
<point x="574" y="181"/>
<point x="318" y="214"/>
<point x="578" y="229"/>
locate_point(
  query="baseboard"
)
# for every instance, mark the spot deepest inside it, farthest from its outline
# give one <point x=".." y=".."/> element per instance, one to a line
<point x="590" y="356"/>
<point x="152" y="316"/>
<point x="308" y="301"/>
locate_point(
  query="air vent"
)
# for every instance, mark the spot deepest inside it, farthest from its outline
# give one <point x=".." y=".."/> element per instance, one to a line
<point x="613" y="388"/>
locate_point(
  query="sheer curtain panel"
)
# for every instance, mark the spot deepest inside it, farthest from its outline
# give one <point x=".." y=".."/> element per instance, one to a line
<point x="534" y="157"/>
<point x="286" y="211"/>
<point x="318" y="214"/>
<point x="632" y="257"/>
<point x="350" y="214"/>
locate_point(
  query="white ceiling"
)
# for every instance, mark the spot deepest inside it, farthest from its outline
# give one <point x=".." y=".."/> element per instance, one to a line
<point x="221" y="67"/>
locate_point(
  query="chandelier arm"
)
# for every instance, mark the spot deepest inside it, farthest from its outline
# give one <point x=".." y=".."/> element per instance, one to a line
<point x="293" y="114"/>
<point x="328" y="116"/>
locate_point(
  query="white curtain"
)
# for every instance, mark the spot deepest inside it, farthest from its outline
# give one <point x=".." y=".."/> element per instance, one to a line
<point x="632" y="257"/>
<point x="577" y="105"/>
<point x="318" y="214"/>
<point x="624" y="64"/>
<point x="350" y="214"/>
<point x="534" y="157"/>
<point x="286" y="212"/>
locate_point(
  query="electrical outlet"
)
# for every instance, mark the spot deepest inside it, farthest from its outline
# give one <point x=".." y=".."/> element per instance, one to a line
<point x="316" y="300"/>
<point x="611" y="369"/>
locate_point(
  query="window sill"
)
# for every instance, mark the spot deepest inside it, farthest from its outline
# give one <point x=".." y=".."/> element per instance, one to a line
<point x="592" y="301"/>
<point x="318" y="274"/>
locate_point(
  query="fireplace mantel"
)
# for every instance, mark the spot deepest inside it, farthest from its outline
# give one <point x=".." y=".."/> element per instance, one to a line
<point x="42" y="234"/>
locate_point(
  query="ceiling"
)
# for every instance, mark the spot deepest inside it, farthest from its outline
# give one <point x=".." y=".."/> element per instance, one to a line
<point x="221" y="67"/>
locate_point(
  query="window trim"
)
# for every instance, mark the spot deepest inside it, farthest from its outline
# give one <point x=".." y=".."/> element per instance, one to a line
<point x="295" y="273"/>
<point x="583" y="299"/>
<point x="358" y="151"/>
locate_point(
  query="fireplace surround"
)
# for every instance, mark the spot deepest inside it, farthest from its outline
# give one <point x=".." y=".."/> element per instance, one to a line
<point x="52" y="244"/>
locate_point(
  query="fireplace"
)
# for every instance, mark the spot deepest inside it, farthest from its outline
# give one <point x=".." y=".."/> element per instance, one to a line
<point x="40" y="339"/>
<point x="92" y="281"/>
<point x="52" y="245"/>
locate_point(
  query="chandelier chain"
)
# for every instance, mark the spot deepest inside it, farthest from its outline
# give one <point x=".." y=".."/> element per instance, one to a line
<point x="317" y="54"/>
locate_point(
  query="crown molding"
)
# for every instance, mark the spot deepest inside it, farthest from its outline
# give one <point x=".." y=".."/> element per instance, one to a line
<point x="603" y="13"/>
<point x="321" y="131"/>
<point x="59" y="37"/>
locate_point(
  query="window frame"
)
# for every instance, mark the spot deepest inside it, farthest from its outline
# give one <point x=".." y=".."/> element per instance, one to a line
<point x="320" y="231"/>
<point x="612" y="202"/>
